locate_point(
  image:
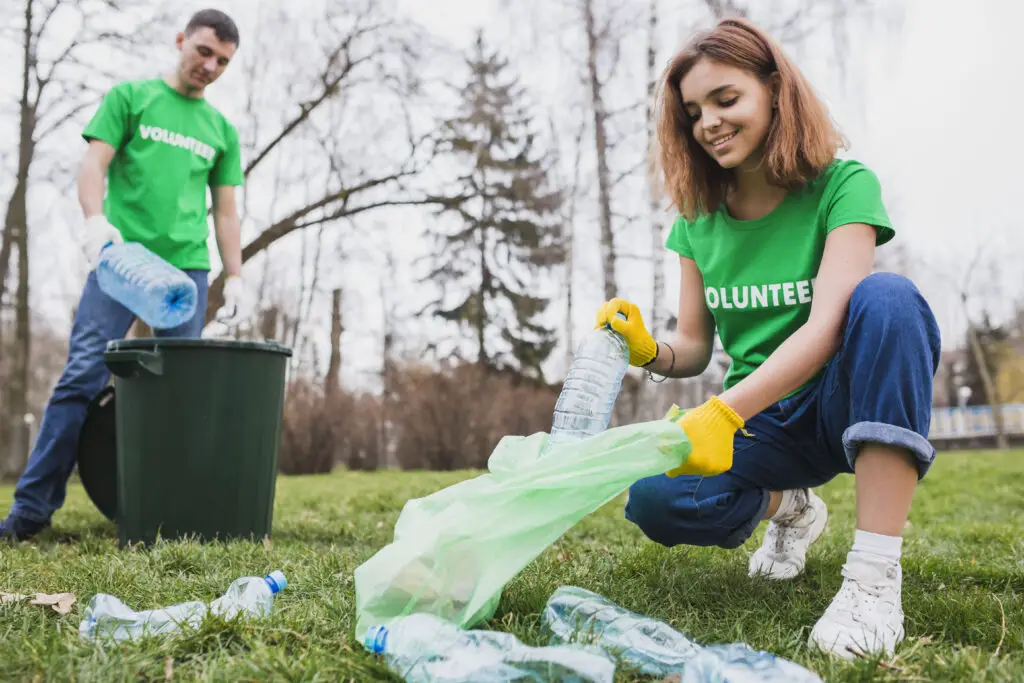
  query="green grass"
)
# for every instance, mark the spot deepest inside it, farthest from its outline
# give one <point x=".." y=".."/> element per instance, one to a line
<point x="963" y="584"/>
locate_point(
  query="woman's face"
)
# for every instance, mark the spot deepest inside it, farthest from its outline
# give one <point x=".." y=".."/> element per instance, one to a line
<point x="731" y="111"/>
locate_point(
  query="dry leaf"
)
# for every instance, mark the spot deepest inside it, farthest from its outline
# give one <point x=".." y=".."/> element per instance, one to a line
<point x="266" y="543"/>
<point x="169" y="669"/>
<point x="60" y="602"/>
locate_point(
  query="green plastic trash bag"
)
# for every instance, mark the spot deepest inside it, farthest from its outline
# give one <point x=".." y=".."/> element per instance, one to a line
<point x="455" y="550"/>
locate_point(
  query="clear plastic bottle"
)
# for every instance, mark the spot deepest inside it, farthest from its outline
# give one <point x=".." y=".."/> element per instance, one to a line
<point x="147" y="285"/>
<point x="250" y="594"/>
<point x="422" y="648"/>
<point x="108" y="617"/>
<point x="584" y="406"/>
<point x="738" y="663"/>
<point x="656" y="649"/>
<point x="651" y="646"/>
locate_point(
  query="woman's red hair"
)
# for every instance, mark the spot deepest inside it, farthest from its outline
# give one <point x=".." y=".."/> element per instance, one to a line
<point x="802" y="139"/>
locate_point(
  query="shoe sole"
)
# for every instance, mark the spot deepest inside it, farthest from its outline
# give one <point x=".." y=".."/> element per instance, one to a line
<point x="851" y="653"/>
<point x="817" y="529"/>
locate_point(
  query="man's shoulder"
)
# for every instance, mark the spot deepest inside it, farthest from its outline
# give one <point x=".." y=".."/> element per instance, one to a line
<point x="136" y="86"/>
<point x="220" y="118"/>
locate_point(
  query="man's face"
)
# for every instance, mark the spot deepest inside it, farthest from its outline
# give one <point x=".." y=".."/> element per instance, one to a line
<point x="203" y="57"/>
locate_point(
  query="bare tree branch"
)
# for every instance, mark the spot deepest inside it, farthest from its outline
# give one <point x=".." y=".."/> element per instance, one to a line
<point x="67" y="117"/>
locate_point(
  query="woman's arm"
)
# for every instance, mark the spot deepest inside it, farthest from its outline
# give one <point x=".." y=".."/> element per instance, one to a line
<point x="847" y="259"/>
<point x="694" y="338"/>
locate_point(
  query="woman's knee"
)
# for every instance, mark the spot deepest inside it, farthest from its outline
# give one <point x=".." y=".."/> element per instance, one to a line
<point x="693" y="510"/>
<point x="885" y="305"/>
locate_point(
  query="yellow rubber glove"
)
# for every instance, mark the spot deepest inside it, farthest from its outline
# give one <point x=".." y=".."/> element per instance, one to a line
<point x="711" y="429"/>
<point x="642" y="347"/>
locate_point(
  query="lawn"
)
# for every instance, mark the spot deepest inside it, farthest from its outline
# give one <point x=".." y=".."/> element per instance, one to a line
<point x="963" y="584"/>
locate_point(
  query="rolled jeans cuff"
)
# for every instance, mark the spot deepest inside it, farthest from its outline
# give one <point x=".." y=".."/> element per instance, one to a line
<point x="888" y="435"/>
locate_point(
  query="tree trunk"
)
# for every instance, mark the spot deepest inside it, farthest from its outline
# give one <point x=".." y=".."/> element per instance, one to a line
<point x="388" y="285"/>
<point x="569" y="244"/>
<point x="657" y="244"/>
<point x="6" y="246"/>
<point x="268" y="323"/>
<point x="568" y="231"/>
<point x="601" y="147"/>
<point x="332" y="384"/>
<point x="991" y="391"/>
<point x="16" y="234"/>
<point x="481" y="315"/>
<point x="23" y="353"/>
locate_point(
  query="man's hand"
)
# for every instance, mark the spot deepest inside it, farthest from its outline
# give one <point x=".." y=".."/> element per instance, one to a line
<point x="96" y="235"/>
<point x="711" y="429"/>
<point x="235" y="308"/>
<point x="642" y="347"/>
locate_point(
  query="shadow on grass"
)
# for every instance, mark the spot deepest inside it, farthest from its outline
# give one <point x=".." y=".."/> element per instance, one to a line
<point x="52" y="536"/>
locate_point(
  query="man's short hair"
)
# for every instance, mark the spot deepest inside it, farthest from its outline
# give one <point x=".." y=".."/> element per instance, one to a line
<point x="221" y="24"/>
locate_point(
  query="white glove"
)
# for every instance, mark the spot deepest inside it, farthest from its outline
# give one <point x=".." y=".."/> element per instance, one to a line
<point x="97" y="234"/>
<point x="235" y="307"/>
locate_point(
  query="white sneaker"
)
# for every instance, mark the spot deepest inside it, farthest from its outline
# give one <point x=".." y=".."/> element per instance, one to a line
<point x="866" y="614"/>
<point x="783" y="553"/>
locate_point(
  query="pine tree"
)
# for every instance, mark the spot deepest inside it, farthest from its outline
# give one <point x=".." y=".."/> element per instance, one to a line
<point x="505" y="236"/>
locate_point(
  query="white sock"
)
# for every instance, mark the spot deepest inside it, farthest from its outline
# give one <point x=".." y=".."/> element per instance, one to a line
<point x="880" y="546"/>
<point x="793" y="503"/>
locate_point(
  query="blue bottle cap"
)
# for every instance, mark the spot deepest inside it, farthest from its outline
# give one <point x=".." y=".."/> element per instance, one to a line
<point x="608" y="325"/>
<point x="276" y="580"/>
<point x="376" y="639"/>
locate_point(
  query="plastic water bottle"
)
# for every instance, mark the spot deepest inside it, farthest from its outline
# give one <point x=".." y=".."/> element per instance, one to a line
<point x="651" y="646"/>
<point x="250" y="594"/>
<point x="108" y="617"/>
<point x="148" y="286"/>
<point x="656" y="649"/>
<point x="584" y="407"/>
<point x="738" y="663"/>
<point x="422" y="648"/>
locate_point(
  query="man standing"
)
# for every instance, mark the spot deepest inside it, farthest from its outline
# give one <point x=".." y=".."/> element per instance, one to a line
<point x="158" y="144"/>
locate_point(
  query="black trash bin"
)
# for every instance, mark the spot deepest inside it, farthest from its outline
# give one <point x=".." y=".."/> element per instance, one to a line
<point x="198" y="426"/>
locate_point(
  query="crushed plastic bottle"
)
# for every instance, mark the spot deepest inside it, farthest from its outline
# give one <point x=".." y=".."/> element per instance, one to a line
<point x="147" y="285"/>
<point x="422" y="648"/>
<point x="584" y="406"/>
<point x="108" y="617"/>
<point x="738" y="663"/>
<point x="650" y="646"/>
<point x="654" y="648"/>
<point x="250" y="594"/>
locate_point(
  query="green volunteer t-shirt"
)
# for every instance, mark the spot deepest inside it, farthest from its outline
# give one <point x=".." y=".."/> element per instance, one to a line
<point x="759" y="274"/>
<point x="169" y="149"/>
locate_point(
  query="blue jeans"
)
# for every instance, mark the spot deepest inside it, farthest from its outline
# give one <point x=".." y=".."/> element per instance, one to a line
<point x="876" y="389"/>
<point x="98" y="320"/>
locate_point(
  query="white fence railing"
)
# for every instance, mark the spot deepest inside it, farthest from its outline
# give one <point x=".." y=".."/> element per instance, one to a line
<point x="971" y="422"/>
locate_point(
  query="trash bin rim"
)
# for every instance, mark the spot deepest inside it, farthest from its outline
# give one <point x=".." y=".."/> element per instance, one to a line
<point x="151" y="343"/>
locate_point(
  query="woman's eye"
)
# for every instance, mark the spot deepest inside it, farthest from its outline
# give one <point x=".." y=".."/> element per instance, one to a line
<point x="729" y="102"/>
